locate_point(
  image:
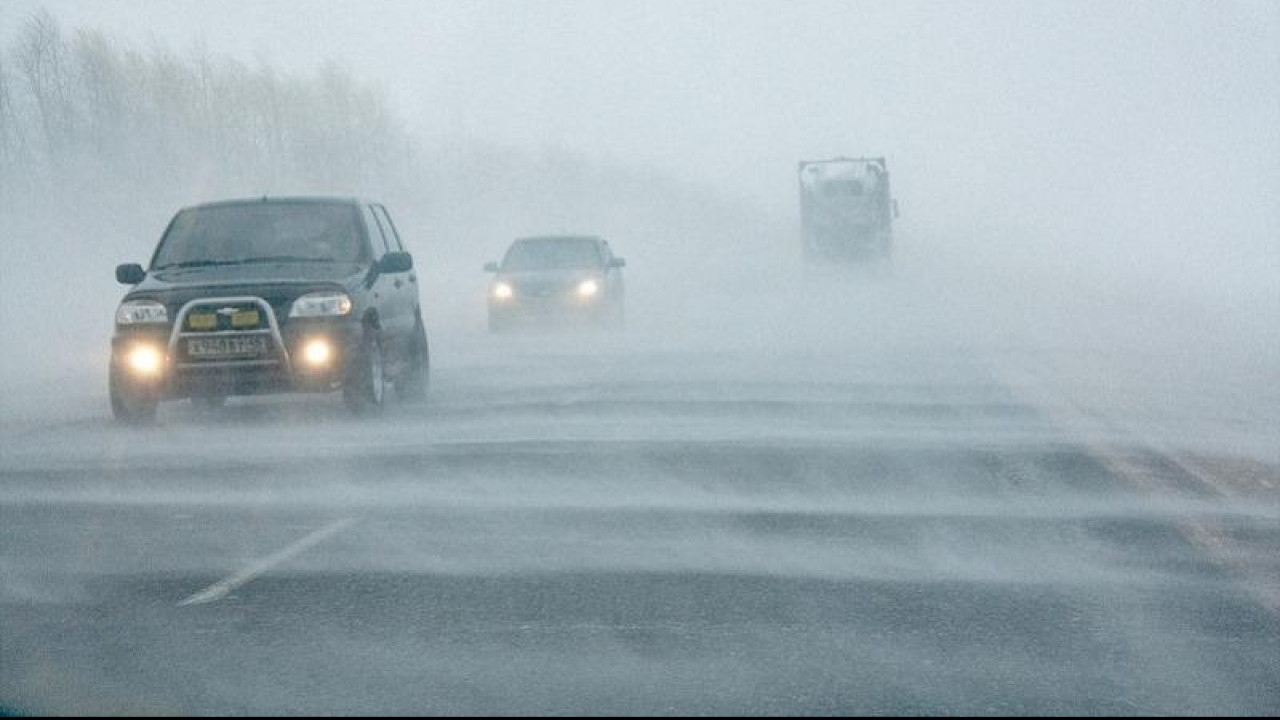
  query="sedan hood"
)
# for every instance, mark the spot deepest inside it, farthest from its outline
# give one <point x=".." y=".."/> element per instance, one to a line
<point x="550" y="277"/>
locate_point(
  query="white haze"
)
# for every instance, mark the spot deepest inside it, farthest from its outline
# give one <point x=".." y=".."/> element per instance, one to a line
<point x="1079" y="176"/>
<point x="1084" y="309"/>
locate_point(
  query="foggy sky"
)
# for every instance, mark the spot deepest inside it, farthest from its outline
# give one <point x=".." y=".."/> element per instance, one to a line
<point x="1127" y="130"/>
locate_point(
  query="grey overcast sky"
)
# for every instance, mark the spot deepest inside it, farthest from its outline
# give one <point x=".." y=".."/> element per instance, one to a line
<point x="1110" y="105"/>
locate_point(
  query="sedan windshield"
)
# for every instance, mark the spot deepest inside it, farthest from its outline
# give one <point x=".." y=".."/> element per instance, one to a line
<point x="257" y="233"/>
<point x="555" y="253"/>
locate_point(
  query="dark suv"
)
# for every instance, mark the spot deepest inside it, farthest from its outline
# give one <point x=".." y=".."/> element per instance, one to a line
<point x="267" y="296"/>
<point x="557" y="278"/>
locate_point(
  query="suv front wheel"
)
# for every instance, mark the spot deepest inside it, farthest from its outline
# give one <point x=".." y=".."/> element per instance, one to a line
<point x="129" y="404"/>
<point x="365" y="386"/>
<point x="412" y="385"/>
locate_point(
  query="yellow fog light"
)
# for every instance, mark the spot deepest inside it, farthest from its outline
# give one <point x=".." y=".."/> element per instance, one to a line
<point x="317" y="353"/>
<point x="588" y="289"/>
<point x="145" y="360"/>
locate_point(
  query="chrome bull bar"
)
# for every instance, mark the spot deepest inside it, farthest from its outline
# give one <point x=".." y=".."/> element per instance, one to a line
<point x="272" y="330"/>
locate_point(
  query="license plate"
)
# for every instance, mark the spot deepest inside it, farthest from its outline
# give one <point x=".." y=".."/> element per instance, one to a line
<point x="238" y="347"/>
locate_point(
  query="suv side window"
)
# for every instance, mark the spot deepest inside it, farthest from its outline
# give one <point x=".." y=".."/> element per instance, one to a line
<point x="377" y="237"/>
<point x="388" y="228"/>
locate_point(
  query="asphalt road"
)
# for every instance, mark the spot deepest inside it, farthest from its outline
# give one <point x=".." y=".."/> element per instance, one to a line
<point x="599" y="529"/>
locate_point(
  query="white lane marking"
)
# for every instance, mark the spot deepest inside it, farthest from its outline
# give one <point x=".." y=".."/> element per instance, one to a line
<point x="220" y="590"/>
<point x="579" y="397"/>
<point x="1203" y="533"/>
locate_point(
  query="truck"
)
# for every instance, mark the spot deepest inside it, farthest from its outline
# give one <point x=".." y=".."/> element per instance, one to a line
<point x="846" y="210"/>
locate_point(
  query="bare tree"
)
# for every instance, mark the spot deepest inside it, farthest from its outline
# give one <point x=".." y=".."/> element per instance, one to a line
<point x="7" y="120"/>
<point x="8" y="139"/>
<point x="92" y="114"/>
<point x="40" y="60"/>
<point x="101" y="92"/>
<point x="210" y="114"/>
<point x="270" y="111"/>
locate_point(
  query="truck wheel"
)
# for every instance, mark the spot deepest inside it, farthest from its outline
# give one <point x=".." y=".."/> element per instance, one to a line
<point x="412" y="386"/>
<point x="129" y="405"/>
<point x="365" y="385"/>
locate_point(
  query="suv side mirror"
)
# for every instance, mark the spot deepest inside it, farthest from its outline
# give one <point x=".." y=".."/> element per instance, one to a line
<point x="491" y="267"/>
<point x="130" y="274"/>
<point x="396" y="262"/>
<point x="618" y="263"/>
<point x="896" y="212"/>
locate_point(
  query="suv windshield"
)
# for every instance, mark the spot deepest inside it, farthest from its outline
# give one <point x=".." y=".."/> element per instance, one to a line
<point x="556" y="253"/>
<point x="261" y="232"/>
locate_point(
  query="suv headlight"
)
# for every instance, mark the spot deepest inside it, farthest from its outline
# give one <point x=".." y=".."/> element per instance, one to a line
<point x="136" y="312"/>
<point x="321" y="304"/>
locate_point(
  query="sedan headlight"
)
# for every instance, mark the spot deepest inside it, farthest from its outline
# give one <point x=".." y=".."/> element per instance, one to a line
<point x="321" y="304"/>
<point x="588" y="289"/>
<point x="136" y="312"/>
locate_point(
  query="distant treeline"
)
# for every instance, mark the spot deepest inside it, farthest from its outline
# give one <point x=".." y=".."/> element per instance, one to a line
<point x="79" y="108"/>
<point x="102" y="140"/>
